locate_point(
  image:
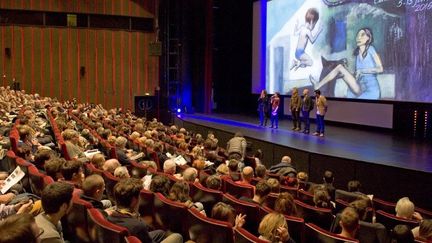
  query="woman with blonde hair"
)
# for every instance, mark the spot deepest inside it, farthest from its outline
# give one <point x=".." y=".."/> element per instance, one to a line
<point x="274" y="228"/>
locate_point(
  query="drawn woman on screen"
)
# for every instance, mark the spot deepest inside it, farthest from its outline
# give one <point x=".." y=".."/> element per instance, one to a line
<point x="364" y="83"/>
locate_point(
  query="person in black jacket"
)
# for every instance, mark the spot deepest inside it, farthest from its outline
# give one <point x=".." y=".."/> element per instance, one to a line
<point x="306" y="107"/>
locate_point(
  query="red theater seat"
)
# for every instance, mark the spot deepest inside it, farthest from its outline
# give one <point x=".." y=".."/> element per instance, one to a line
<point x="205" y="229"/>
<point x="322" y="217"/>
<point x="314" y="234"/>
<point x="238" y="190"/>
<point x="243" y="236"/>
<point x="102" y="231"/>
<point x="390" y="220"/>
<point x="251" y="211"/>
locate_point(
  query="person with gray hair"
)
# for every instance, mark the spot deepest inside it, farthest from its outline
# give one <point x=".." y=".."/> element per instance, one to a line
<point x="169" y="167"/>
<point x="120" y="148"/>
<point x="405" y="209"/>
<point x="190" y="174"/>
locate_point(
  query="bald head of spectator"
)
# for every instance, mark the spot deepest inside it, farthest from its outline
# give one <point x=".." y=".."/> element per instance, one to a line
<point x="286" y="159"/>
<point x="169" y="167"/>
<point x="110" y="165"/>
<point x="247" y="174"/>
<point x="190" y="174"/>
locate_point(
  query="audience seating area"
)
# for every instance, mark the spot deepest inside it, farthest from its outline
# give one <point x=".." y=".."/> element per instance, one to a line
<point x="85" y="223"/>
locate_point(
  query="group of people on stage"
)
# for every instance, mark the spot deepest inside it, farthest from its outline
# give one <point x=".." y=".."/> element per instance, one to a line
<point x="268" y="108"/>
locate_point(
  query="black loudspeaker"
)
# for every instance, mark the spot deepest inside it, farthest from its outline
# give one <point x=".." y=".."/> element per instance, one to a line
<point x="8" y="52"/>
<point x="82" y="71"/>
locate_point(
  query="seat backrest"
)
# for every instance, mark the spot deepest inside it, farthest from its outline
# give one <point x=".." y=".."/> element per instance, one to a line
<point x="390" y="220"/>
<point x="289" y="189"/>
<point x="322" y="217"/>
<point x="110" y="182"/>
<point x="205" y="229"/>
<point x="243" y="236"/>
<point x="171" y="214"/>
<point x="295" y="224"/>
<point x="305" y="197"/>
<point x="346" y="196"/>
<point x="101" y="230"/>
<point x="93" y="170"/>
<point x="251" y="211"/>
<point x="238" y="190"/>
<point x="207" y="197"/>
<point x="76" y="220"/>
<point x="132" y="239"/>
<point x="388" y="207"/>
<point x="271" y="200"/>
<point x="146" y="206"/>
<point x="426" y="214"/>
<point x="371" y="233"/>
<point x="315" y="234"/>
<point x="36" y="180"/>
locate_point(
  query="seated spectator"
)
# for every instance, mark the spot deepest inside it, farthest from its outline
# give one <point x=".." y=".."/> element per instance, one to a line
<point x="93" y="190"/>
<point x="262" y="190"/>
<point x="214" y="182"/>
<point x="126" y="193"/>
<point x="354" y="186"/>
<point x="274" y="185"/>
<point x="41" y="156"/>
<point x="247" y="175"/>
<point x="53" y="168"/>
<point x="98" y="160"/>
<point x="361" y="206"/>
<point x="349" y="223"/>
<point x="161" y="184"/>
<point x="284" y="168"/>
<point x="224" y="212"/>
<point x="190" y="175"/>
<point x="120" y="147"/>
<point x="405" y="209"/>
<point x="73" y="172"/>
<point x="233" y="169"/>
<point x="19" y="228"/>
<point x="321" y="199"/>
<point x="260" y="172"/>
<point x="110" y="165"/>
<point x="169" y="167"/>
<point x="401" y="234"/>
<point x="285" y="204"/>
<point x="56" y="202"/>
<point x="258" y="156"/>
<point x="18" y="208"/>
<point x="328" y="179"/>
<point x="180" y="193"/>
<point x="274" y="228"/>
<point x="302" y="180"/>
<point x="222" y="170"/>
<point x="71" y="139"/>
<point x="121" y="172"/>
<point x="424" y="231"/>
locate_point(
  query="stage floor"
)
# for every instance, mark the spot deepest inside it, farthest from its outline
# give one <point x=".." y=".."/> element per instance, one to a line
<point x="355" y="144"/>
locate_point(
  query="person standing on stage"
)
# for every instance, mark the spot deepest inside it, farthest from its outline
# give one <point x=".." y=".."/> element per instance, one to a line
<point x="274" y="101"/>
<point x="263" y="107"/>
<point x="321" y="107"/>
<point x="306" y="107"/>
<point x="295" y="106"/>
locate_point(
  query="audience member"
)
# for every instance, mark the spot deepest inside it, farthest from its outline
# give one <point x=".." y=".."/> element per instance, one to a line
<point x="190" y="175"/>
<point x="93" y="190"/>
<point x="405" y="209"/>
<point x="274" y="185"/>
<point x="20" y="228"/>
<point x="247" y="175"/>
<point x="98" y="160"/>
<point x="121" y="172"/>
<point x="401" y="234"/>
<point x="72" y="172"/>
<point x="161" y="184"/>
<point x="424" y="231"/>
<point x="56" y="202"/>
<point x="274" y="228"/>
<point x="225" y="212"/>
<point x="233" y="166"/>
<point x="260" y="172"/>
<point x="110" y="165"/>
<point x="285" y="204"/>
<point x="349" y="222"/>
<point x="284" y="168"/>
<point x="328" y="179"/>
<point x="126" y="193"/>
<point x="53" y="168"/>
<point x="214" y="182"/>
<point x="262" y="190"/>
